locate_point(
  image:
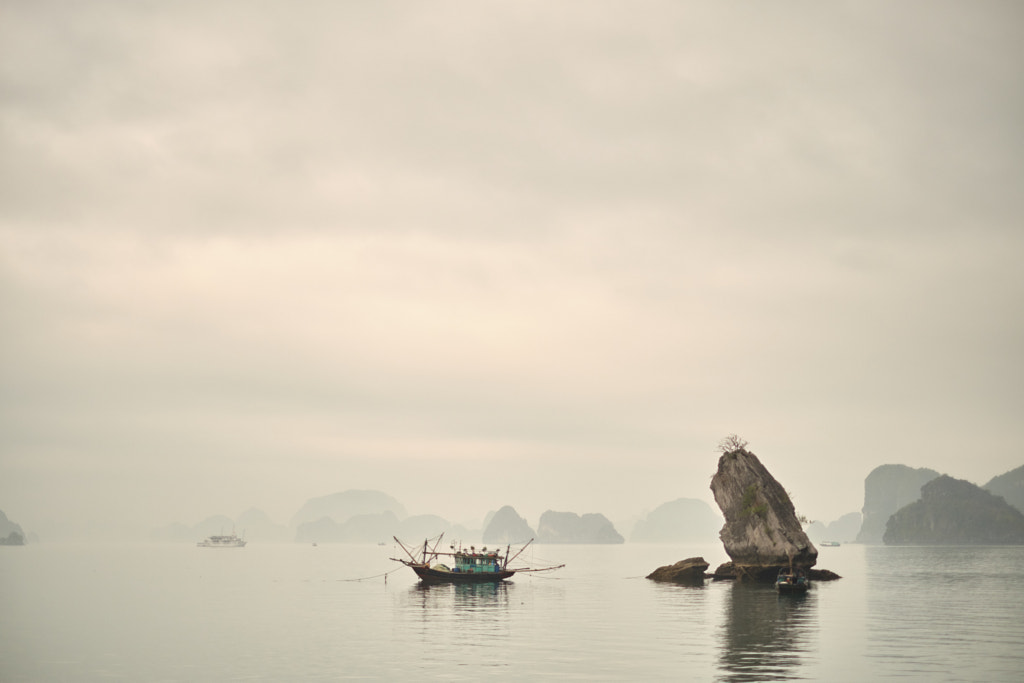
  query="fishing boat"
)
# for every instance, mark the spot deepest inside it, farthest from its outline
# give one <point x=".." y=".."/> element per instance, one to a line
<point x="470" y="565"/>
<point x="222" y="541"/>
<point x="792" y="581"/>
<point x="829" y="544"/>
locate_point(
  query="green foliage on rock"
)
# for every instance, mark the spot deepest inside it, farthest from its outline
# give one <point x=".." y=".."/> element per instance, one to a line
<point x="750" y="505"/>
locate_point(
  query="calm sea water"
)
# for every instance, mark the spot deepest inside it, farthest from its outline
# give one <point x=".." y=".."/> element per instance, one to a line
<point x="291" y="612"/>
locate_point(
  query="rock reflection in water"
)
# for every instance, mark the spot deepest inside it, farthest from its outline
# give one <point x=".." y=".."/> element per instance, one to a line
<point x="766" y="634"/>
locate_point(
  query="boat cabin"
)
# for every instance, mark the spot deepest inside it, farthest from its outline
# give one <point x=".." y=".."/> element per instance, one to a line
<point x="473" y="562"/>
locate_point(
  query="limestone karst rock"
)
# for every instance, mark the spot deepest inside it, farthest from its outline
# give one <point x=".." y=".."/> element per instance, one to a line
<point x="761" y="532"/>
<point x="11" y="533"/>
<point x="956" y="512"/>
<point x="1010" y="486"/>
<point x="347" y="504"/>
<point x="888" y="488"/>
<point x="688" y="571"/>
<point x="679" y="521"/>
<point x="506" y="526"/>
<point x="568" y="527"/>
<point x="357" y="529"/>
<point x="844" y="529"/>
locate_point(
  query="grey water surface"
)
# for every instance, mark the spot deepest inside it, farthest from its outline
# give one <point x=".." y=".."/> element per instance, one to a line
<point x="79" y="612"/>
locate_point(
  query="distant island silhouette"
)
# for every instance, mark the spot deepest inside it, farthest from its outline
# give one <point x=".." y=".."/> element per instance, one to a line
<point x="11" y="533"/>
<point x="893" y="513"/>
<point x="365" y="516"/>
<point x="955" y="512"/>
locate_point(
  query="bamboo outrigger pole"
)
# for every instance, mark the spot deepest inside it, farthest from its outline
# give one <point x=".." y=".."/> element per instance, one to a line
<point x="432" y="552"/>
<point x="404" y="548"/>
<point x="509" y="559"/>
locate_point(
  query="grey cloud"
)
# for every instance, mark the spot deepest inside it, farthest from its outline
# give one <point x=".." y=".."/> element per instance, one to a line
<point x="353" y="235"/>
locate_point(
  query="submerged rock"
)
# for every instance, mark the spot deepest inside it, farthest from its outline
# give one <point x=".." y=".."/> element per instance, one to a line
<point x="822" y="575"/>
<point x="725" y="572"/>
<point x="690" y="571"/>
<point x="728" y="571"/>
<point x="761" y="532"/>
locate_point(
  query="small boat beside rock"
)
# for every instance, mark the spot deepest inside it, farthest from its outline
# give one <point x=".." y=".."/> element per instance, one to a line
<point x="792" y="581"/>
<point x="763" y="536"/>
<point x="468" y="565"/>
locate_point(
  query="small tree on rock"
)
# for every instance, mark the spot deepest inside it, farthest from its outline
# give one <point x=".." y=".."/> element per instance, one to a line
<point x="732" y="443"/>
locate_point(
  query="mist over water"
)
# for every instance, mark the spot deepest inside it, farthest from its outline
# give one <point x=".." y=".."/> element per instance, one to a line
<point x="294" y="612"/>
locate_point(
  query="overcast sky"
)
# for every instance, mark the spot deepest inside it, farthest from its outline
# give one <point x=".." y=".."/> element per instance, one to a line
<point x="475" y="253"/>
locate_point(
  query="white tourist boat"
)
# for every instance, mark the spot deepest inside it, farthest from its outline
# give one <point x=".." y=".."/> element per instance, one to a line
<point x="231" y="541"/>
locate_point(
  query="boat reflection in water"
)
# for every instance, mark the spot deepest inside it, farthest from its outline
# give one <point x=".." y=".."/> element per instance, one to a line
<point x="767" y="636"/>
<point x="463" y="596"/>
<point x="454" y="616"/>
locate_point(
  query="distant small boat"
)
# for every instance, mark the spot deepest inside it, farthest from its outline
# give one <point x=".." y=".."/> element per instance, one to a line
<point x="792" y="581"/>
<point x="231" y="541"/>
<point x="470" y="566"/>
<point x="830" y="544"/>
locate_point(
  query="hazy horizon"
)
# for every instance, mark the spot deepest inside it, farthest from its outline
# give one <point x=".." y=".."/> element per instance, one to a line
<point x="127" y="528"/>
<point x="482" y="254"/>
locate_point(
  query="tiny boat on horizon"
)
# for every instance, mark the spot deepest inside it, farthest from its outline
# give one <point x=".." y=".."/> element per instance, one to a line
<point x="222" y="541"/>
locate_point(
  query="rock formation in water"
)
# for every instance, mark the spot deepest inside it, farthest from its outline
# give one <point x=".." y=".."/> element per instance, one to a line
<point x="347" y="504"/>
<point x="259" y="528"/>
<point x="956" y="512"/>
<point x="1010" y="486"/>
<point x="688" y="571"/>
<point x="371" y="528"/>
<point x="886" y="489"/>
<point x="13" y="538"/>
<point x="181" y="533"/>
<point x="419" y="527"/>
<point x="728" y="571"/>
<point x="506" y="526"/>
<point x="378" y="528"/>
<point x="843" y="530"/>
<point x="568" y="527"/>
<point x="11" y="533"/>
<point x="685" y="520"/>
<point x="761" y="532"/>
<point x="253" y="525"/>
